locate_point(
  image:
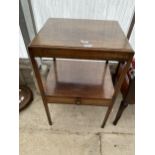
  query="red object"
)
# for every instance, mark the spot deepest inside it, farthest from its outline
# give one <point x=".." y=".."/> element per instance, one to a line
<point x="130" y="75"/>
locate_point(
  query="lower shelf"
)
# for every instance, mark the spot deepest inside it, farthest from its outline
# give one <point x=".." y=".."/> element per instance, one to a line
<point x="75" y="79"/>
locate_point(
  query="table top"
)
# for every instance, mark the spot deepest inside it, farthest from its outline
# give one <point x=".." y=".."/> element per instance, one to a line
<point x="82" y="34"/>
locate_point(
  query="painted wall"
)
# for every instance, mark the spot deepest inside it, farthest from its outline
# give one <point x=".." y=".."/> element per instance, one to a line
<point x="132" y="38"/>
<point x="120" y="10"/>
<point x="22" y="48"/>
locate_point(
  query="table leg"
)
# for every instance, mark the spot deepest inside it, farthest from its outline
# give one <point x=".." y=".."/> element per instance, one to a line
<point x="40" y="84"/>
<point x="122" y="107"/>
<point x="117" y="88"/>
<point x="55" y="68"/>
<point x="106" y="116"/>
<point x="47" y="112"/>
<point x="125" y="101"/>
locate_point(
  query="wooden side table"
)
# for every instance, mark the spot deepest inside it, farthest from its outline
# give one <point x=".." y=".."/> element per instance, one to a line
<point x="80" y="82"/>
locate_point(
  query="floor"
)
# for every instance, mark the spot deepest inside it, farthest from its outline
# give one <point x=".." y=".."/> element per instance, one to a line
<point x="75" y="130"/>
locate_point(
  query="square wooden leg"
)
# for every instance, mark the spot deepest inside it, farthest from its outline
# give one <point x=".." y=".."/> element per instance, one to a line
<point x="48" y="113"/>
<point x="122" y="107"/>
<point x="106" y="116"/>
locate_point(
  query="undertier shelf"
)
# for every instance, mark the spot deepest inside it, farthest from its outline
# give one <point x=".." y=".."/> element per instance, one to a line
<point x="80" y="80"/>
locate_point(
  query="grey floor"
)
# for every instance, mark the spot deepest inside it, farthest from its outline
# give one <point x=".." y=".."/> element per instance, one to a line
<point x="76" y="130"/>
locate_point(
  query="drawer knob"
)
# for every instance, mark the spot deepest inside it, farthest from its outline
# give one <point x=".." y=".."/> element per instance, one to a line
<point x="78" y="101"/>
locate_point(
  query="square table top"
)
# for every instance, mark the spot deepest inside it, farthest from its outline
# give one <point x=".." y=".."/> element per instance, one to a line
<point x="82" y="34"/>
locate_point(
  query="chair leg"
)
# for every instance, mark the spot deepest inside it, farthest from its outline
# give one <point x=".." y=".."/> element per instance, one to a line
<point x="106" y="116"/>
<point x="47" y="113"/>
<point x="122" y="107"/>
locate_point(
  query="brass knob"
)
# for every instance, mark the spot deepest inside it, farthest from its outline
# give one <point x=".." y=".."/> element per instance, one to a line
<point x="78" y="101"/>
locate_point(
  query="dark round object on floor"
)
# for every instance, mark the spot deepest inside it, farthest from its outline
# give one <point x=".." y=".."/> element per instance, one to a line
<point x="25" y="97"/>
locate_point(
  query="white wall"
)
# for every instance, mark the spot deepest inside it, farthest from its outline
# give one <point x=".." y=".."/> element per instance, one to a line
<point x="132" y="38"/>
<point x="120" y="10"/>
<point x="22" y="48"/>
<point x="28" y="20"/>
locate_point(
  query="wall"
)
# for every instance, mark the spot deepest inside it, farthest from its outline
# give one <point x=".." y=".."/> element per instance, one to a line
<point x="132" y="38"/>
<point x="120" y="10"/>
<point x="22" y="49"/>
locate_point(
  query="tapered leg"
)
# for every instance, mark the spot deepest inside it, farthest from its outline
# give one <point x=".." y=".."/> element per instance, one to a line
<point x="40" y="84"/>
<point x="47" y="112"/>
<point x="122" y="107"/>
<point x="106" y="116"/>
<point x="129" y="94"/>
<point x="55" y="68"/>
